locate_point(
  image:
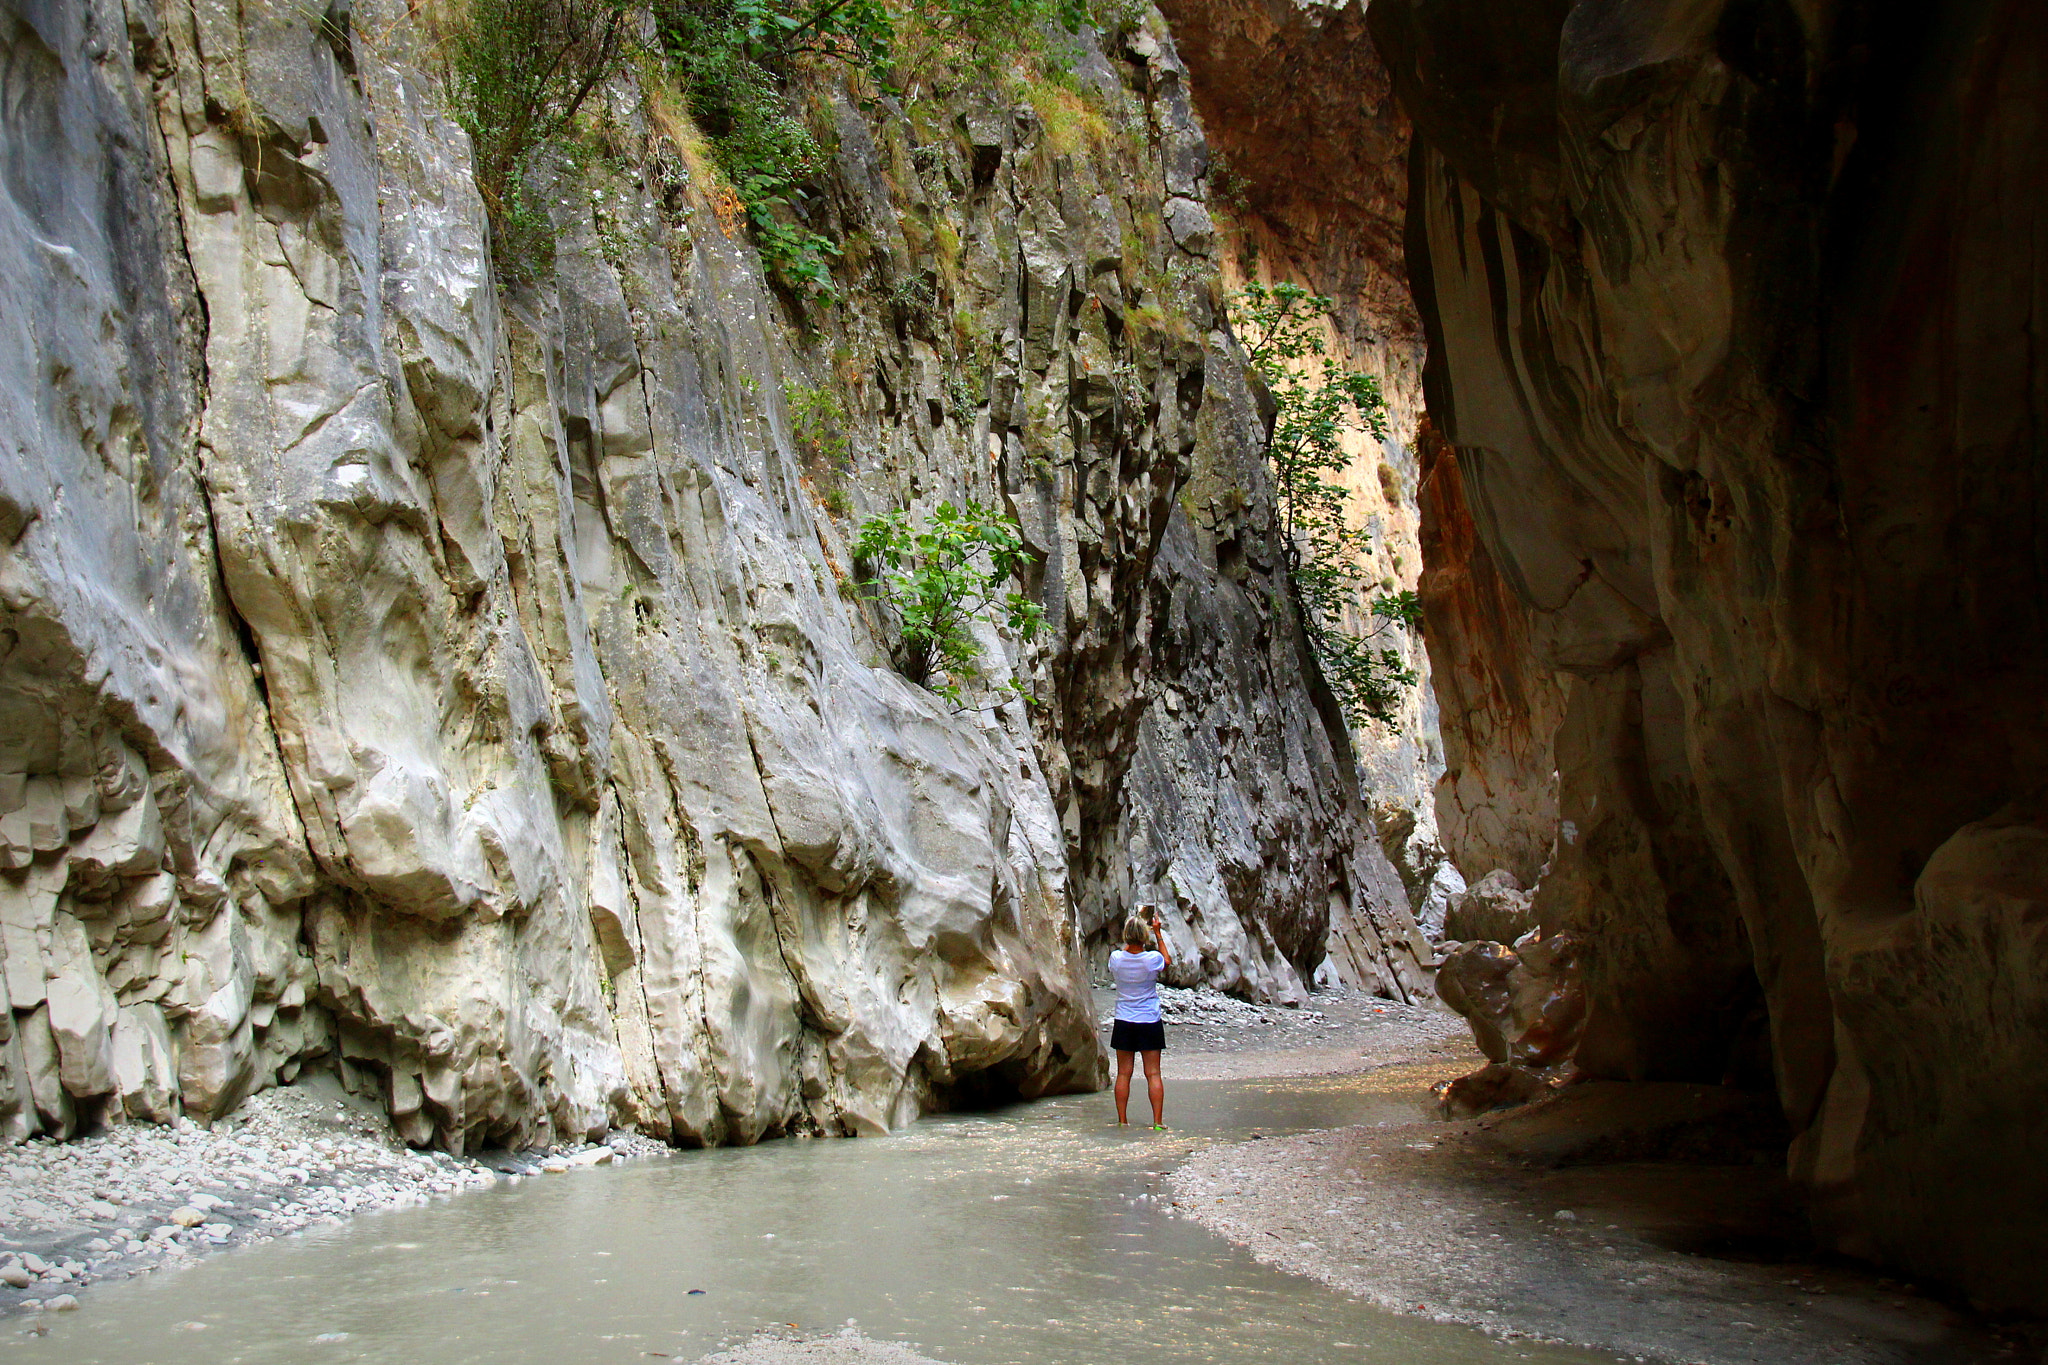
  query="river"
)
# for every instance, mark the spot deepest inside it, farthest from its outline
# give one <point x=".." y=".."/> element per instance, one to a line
<point x="1036" y="1233"/>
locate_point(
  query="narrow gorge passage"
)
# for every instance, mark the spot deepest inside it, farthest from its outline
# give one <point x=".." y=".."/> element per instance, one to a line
<point x="609" y="590"/>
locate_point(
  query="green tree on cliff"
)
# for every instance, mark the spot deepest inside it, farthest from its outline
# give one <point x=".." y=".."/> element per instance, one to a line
<point x="520" y="72"/>
<point x="938" y="580"/>
<point x="1318" y="401"/>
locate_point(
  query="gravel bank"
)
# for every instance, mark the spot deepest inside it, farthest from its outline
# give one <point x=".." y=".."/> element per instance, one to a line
<point x="1659" y="1260"/>
<point x="137" y="1198"/>
<point x="1215" y="1037"/>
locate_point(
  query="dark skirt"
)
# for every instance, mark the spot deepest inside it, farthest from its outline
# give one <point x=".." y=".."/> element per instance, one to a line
<point x="1125" y="1036"/>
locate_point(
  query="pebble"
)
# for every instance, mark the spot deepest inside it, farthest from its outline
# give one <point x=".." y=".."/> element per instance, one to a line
<point x="137" y="1196"/>
<point x="63" y="1303"/>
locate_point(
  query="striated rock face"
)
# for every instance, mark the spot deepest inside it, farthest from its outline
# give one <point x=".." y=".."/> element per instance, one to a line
<point x="1270" y="863"/>
<point x="1311" y="152"/>
<point x="1730" y="312"/>
<point x="1494" y="909"/>
<point x="466" y="690"/>
<point x="1498" y="706"/>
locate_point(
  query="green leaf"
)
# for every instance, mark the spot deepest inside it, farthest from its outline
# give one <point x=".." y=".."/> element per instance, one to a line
<point x="1282" y="328"/>
<point x="937" y="580"/>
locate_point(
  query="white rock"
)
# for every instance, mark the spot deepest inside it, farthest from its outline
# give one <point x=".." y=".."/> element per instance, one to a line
<point x="145" y="1073"/>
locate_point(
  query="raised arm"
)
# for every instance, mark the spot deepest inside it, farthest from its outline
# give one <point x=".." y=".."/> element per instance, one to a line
<point x="1159" y="937"/>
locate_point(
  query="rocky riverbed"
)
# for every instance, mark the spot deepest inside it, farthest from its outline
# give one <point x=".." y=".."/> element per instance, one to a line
<point x="1210" y="1036"/>
<point x="143" y="1197"/>
<point x="844" y="1347"/>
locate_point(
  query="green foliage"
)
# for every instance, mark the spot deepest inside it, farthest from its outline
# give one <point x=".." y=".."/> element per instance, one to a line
<point x="520" y="71"/>
<point x="819" y="421"/>
<point x="1071" y="120"/>
<point x="733" y="58"/>
<point x="736" y="60"/>
<point x="937" y="580"/>
<point x="1318" y="401"/>
<point x="982" y="32"/>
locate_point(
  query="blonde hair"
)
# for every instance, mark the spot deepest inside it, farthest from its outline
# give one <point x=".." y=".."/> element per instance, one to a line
<point x="1136" y="935"/>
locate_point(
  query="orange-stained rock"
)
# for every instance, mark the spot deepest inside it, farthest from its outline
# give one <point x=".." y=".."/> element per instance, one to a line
<point x="1498" y="708"/>
<point x="1497" y="1085"/>
<point x="1525" y="1003"/>
<point x="1733" y="318"/>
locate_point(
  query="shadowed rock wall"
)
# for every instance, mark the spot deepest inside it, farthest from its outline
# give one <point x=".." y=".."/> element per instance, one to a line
<point x="1499" y="707"/>
<point x="1311" y="152"/>
<point x="1732" y="313"/>
<point x="465" y="689"/>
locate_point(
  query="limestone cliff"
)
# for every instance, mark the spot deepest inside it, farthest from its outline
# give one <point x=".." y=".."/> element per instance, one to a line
<point x="1312" y="154"/>
<point x="464" y="687"/>
<point x="1732" y="315"/>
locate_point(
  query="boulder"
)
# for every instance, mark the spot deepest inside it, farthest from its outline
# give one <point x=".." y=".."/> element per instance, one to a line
<point x="144" y="1064"/>
<point x="1497" y="1085"/>
<point x="1526" y="1004"/>
<point x="1493" y="909"/>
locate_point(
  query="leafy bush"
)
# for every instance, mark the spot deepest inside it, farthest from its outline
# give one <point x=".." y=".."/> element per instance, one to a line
<point x="1318" y="401"/>
<point x="520" y="70"/>
<point x="736" y="59"/>
<point x="818" y="420"/>
<point x="937" y="580"/>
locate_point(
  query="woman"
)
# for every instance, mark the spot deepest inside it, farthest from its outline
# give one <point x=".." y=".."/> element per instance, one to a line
<point x="1135" y="968"/>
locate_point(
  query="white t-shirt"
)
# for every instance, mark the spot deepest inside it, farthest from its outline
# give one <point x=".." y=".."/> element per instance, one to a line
<point x="1137" y="992"/>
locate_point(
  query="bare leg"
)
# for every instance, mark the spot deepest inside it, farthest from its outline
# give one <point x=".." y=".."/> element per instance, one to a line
<point x="1123" y="1085"/>
<point x="1155" y="1085"/>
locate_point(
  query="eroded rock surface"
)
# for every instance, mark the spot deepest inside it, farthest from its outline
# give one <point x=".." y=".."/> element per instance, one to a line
<point x="1526" y="1003"/>
<point x="1495" y="908"/>
<point x="1310" y="153"/>
<point x="466" y="689"/>
<point x="1730" y="313"/>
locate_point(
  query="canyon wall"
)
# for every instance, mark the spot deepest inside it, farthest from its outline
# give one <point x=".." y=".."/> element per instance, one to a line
<point x="1730" y="528"/>
<point x="1733" y="316"/>
<point x="464" y="687"/>
<point x="1312" y="152"/>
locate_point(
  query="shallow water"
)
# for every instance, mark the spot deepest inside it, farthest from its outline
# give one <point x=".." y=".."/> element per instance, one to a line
<point x="1033" y="1234"/>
